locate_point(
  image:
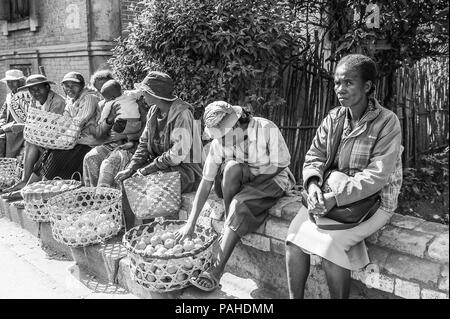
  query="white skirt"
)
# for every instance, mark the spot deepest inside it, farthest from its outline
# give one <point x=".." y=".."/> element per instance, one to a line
<point x="345" y="248"/>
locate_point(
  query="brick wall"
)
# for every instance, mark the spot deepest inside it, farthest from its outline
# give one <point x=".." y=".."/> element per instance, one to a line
<point x="127" y="11"/>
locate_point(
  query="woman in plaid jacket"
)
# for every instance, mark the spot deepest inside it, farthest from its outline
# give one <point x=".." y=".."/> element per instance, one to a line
<point x="368" y="158"/>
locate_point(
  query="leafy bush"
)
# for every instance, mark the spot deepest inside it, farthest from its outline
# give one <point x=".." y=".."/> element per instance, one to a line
<point x="214" y="49"/>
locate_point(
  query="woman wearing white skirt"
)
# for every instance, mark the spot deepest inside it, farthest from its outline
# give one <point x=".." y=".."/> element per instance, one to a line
<point x="366" y="153"/>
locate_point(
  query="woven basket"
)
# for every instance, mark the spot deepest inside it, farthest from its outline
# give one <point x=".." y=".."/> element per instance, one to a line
<point x="9" y="171"/>
<point x="154" y="195"/>
<point x="50" y="130"/>
<point x="86" y="215"/>
<point x="167" y="272"/>
<point x="37" y="194"/>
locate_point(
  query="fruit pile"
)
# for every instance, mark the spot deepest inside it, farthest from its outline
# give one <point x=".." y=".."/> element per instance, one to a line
<point x="89" y="227"/>
<point x="55" y="186"/>
<point x="163" y="243"/>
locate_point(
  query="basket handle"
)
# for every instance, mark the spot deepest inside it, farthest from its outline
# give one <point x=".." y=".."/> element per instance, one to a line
<point x="79" y="175"/>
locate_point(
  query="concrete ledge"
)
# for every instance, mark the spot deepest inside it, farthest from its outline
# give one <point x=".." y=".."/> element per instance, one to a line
<point x="409" y="256"/>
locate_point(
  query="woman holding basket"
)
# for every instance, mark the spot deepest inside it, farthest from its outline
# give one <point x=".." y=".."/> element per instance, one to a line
<point x="81" y="104"/>
<point x="171" y="140"/>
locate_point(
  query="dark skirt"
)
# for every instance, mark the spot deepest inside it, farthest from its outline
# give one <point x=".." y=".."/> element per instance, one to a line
<point x="250" y="207"/>
<point x="62" y="163"/>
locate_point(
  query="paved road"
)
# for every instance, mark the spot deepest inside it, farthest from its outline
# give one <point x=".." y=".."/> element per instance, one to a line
<point x="28" y="270"/>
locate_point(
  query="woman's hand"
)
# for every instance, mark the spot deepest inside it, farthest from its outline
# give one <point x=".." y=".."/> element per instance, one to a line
<point x="123" y="175"/>
<point x="316" y="202"/>
<point x="147" y="170"/>
<point x="184" y="232"/>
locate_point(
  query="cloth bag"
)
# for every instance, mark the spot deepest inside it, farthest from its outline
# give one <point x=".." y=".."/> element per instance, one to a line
<point x="154" y="195"/>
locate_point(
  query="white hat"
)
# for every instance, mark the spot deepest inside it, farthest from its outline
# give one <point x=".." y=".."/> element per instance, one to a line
<point x="13" y="75"/>
<point x="220" y="118"/>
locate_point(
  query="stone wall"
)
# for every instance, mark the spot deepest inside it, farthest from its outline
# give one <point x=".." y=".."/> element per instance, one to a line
<point x="409" y="256"/>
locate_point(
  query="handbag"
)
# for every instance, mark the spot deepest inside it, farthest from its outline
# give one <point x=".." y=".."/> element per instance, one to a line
<point x="349" y="215"/>
<point x="154" y="195"/>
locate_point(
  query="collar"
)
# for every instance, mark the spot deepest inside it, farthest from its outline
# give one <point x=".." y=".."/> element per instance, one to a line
<point x="371" y="112"/>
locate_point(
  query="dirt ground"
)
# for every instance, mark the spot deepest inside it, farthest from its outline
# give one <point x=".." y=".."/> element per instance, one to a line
<point x="425" y="191"/>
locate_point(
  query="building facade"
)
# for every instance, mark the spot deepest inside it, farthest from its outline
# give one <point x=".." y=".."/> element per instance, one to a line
<point x="59" y="35"/>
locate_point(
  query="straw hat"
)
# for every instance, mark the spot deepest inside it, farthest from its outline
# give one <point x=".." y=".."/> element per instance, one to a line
<point x="35" y="79"/>
<point x="220" y="117"/>
<point x="13" y="75"/>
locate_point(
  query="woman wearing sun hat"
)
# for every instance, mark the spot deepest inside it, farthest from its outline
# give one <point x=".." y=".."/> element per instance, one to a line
<point x="44" y="98"/>
<point x="13" y="114"/>
<point x="248" y="164"/>
<point x="171" y="140"/>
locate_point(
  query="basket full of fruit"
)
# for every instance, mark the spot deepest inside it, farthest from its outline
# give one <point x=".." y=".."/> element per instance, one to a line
<point x="159" y="263"/>
<point x="86" y="215"/>
<point x="36" y="195"/>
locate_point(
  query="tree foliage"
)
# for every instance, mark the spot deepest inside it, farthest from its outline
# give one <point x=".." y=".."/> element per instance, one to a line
<point x="214" y="49"/>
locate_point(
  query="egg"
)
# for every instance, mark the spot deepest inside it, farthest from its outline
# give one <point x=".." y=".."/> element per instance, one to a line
<point x="198" y="246"/>
<point x="177" y="249"/>
<point x="188" y="264"/>
<point x="155" y="240"/>
<point x="146" y="239"/>
<point x="167" y="235"/>
<point x="159" y="246"/>
<point x="140" y="246"/>
<point x="181" y="277"/>
<point x="169" y="243"/>
<point x="198" y="241"/>
<point x="150" y="278"/>
<point x="188" y="245"/>
<point x="149" y="250"/>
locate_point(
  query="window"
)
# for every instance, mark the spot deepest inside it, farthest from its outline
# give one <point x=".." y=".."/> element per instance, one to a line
<point x="18" y="15"/>
<point x="25" y="68"/>
<point x="19" y="10"/>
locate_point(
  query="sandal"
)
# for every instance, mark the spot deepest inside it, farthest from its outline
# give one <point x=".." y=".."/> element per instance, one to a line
<point x="213" y="282"/>
<point x="12" y="196"/>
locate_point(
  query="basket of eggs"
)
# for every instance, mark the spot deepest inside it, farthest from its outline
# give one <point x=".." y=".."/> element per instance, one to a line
<point x="86" y="215"/>
<point x="36" y="195"/>
<point x="159" y="263"/>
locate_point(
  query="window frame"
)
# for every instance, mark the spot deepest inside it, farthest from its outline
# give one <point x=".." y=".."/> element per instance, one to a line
<point x="30" y="23"/>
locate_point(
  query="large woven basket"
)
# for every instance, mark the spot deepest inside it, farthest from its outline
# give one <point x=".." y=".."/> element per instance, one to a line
<point x="154" y="195"/>
<point x="167" y="272"/>
<point x="36" y="195"/>
<point x="86" y="215"/>
<point x="51" y="130"/>
<point x="9" y="171"/>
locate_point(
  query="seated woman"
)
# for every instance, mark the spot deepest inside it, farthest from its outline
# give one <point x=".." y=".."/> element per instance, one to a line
<point x="248" y="164"/>
<point x="367" y="155"/>
<point x="13" y="114"/>
<point x="44" y="98"/>
<point x="81" y="104"/>
<point x="171" y="140"/>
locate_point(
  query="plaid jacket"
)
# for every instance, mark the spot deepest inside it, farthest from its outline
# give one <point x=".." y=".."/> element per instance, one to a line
<point x="370" y="155"/>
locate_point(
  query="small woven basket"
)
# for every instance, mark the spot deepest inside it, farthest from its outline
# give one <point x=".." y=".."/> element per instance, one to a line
<point x="9" y="171"/>
<point x="168" y="272"/>
<point x="86" y="215"/>
<point x="50" y="130"/>
<point x="154" y="195"/>
<point x="36" y="195"/>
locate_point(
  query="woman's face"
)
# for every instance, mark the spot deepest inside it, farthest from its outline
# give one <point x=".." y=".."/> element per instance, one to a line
<point x="13" y="85"/>
<point x="72" y="89"/>
<point x="349" y="86"/>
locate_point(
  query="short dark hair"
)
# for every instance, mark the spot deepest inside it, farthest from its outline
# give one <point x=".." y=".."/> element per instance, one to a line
<point x="366" y="67"/>
<point x="102" y="75"/>
<point x="111" y="84"/>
